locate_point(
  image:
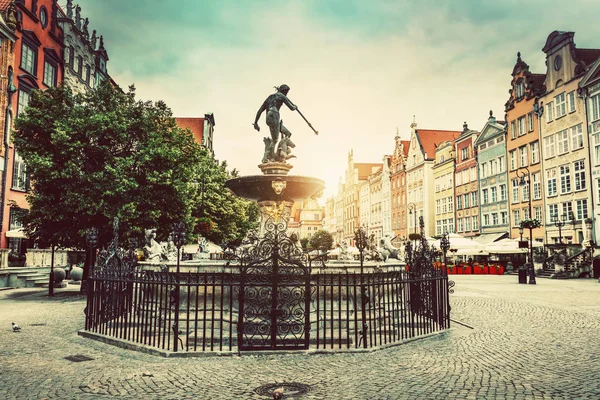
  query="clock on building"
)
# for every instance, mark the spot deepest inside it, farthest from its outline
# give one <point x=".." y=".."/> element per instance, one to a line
<point x="557" y="62"/>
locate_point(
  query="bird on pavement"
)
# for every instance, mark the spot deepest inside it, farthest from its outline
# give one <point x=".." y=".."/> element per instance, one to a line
<point x="278" y="393"/>
<point x="16" y="328"/>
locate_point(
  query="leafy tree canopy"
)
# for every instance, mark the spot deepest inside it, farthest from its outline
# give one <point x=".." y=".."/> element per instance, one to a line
<point x="321" y="240"/>
<point x="100" y="155"/>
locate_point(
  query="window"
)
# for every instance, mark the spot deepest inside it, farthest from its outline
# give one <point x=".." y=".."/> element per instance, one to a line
<point x="464" y="153"/>
<point x="515" y="191"/>
<point x="521" y="125"/>
<point x="553" y="212"/>
<point x="565" y="178"/>
<point x="501" y="164"/>
<point x="561" y="106"/>
<point x="516" y="217"/>
<point x="530" y="122"/>
<point x="538" y="213"/>
<point x="562" y="140"/>
<point x="549" y="112"/>
<point x="459" y="223"/>
<point x="504" y="217"/>
<point x="512" y="155"/>
<point x="473" y="174"/>
<point x="444" y="206"/>
<point x="513" y="130"/>
<point x="503" y="194"/>
<point x="67" y="55"/>
<point x="79" y="66"/>
<point x="526" y="192"/>
<point x="551" y="182"/>
<point x="466" y="200"/>
<point x="19" y="178"/>
<point x="537" y="186"/>
<point x="475" y="223"/>
<point x="571" y="101"/>
<point x="595" y="107"/>
<point x="438" y="227"/>
<point x="523" y="156"/>
<point x="24" y="98"/>
<point x="28" y="56"/>
<point x="577" y="137"/>
<point x="493" y="168"/>
<point x="526" y="213"/>
<point x="438" y="209"/>
<point x="485" y="198"/>
<point x="450" y="204"/>
<point x="49" y="74"/>
<point x="579" y="167"/>
<point x="87" y="74"/>
<point x="582" y="209"/>
<point x="520" y="88"/>
<point x="535" y="152"/>
<point x="467" y="224"/>
<point x="495" y="218"/>
<point x="494" y="194"/>
<point x="72" y="56"/>
<point x="549" y="147"/>
<point x="459" y="202"/>
<point x="567" y="209"/>
<point x="474" y="199"/>
<point x="486" y="219"/>
<point x="483" y="171"/>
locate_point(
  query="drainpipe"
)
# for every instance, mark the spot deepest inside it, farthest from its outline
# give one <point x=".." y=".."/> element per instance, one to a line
<point x="10" y="90"/>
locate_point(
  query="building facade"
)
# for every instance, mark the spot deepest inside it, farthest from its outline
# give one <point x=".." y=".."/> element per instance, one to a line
<point x="38" y="64"/>
<point x="466" y="187"/>
<point x="386" y="198"/>
<point x="566" y="164"/>
<point x="493" y="178"/>
<point x="202" y="128"/>
<point x="443" y="176"/>
<point x="398" y="189"/>
<point x="523" y="149"/>
<point x="419" y="176"/>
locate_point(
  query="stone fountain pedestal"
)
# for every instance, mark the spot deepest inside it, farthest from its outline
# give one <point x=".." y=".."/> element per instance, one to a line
<point x="275" y="191"/>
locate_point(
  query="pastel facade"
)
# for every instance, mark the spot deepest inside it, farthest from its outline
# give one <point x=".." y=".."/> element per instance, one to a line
<point x="443" y="176"/>
<point x="466" y="187"/>
<point x="493" y="178"/>
<point x="398" y="189"/>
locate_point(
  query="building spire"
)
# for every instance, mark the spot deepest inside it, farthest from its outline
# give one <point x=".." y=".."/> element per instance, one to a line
<point x="413" y="126"/>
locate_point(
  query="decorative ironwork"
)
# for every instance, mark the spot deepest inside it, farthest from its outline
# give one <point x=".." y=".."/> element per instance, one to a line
<point x="275" y="292"/>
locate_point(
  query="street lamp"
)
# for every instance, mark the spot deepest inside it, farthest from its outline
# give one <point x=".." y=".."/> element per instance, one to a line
<point x="521" y="233"/>
<point x="412" y="209"/>
<point x="445" y="246"/>
<point x="559" y="224"/>
<point x="525" y="179"/>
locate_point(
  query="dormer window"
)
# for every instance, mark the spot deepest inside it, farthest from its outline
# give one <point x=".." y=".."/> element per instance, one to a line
<point x="520" y="89"/>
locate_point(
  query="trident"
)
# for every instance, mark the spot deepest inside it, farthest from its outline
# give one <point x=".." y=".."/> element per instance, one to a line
<point x="309" y="124"/>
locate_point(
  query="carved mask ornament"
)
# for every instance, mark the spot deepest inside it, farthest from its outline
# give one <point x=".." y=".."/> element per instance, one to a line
<point x="278" y="186"/>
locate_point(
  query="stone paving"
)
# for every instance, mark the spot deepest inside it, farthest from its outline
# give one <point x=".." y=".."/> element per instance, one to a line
<point x="512" y="342"/>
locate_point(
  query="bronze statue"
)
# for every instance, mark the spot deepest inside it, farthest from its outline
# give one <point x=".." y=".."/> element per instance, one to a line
<point x="271" y="105"/>
<point x="70" y="9"/>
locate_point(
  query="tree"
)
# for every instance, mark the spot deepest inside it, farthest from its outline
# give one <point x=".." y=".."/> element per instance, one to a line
<point x="321" y="240"/>
<point x="220" y="216"/>
<point x="99" y="155"/>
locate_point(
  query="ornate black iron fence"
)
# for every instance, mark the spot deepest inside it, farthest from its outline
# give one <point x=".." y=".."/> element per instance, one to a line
<point x="341" y="311"/>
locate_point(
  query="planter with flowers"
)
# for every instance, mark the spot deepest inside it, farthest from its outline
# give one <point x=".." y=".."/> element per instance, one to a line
<point x="531" y="223"/>
<point x="204" y="226"/>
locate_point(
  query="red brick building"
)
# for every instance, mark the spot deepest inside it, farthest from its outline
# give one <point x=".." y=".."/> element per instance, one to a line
<point x="202" y="128"/>
<point x="38" y="64"/>
<point x="398" y="188"/>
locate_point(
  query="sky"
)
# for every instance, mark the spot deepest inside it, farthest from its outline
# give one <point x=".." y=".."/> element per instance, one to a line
<point x="359" y="70"/>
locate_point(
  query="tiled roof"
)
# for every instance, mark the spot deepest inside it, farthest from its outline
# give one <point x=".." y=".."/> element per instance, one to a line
<point x="588" y="56"/>
<point x="538" y="80"/>
<point x="4" y="4"/>
<point x="429" y="139"/>
<point x="406" y="145"/>
<point x="196" y="125"/>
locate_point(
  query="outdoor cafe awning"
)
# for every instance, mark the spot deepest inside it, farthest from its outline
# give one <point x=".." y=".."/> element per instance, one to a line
<point x="16" y="233"/>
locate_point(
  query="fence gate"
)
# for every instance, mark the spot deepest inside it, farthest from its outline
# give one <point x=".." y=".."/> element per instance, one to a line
<point x="274" y="297"/>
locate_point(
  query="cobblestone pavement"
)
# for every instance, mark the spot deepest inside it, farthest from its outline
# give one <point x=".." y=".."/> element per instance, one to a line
<point x="512" y="342"/>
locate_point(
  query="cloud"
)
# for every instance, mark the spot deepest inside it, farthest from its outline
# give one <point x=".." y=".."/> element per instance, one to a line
<point x="357" y="69"/>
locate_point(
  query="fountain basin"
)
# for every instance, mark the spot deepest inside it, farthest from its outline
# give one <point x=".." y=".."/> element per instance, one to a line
<point x="275" y="187"/>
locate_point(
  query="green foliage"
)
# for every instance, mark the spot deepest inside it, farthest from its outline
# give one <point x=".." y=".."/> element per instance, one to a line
<point x="59" y="275"/>
<point x="76" y="273"/>
<point x="321" y="240"/>
<point x="304" y="243"/>
<point x="100" y="155"/>
<point x="414" y="236"/>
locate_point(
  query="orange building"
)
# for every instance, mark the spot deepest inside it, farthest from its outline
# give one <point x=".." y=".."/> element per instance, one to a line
<point x="202" y="128"/>
<point x="523" y="148"/>
<point x="38" y="64"/>
<point x="466" y="183"/>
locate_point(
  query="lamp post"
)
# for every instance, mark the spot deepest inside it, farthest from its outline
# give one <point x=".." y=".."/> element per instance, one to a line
<point x="588" y="233"/>
<point x="525" y="179"/>
<point x="412" y="210"/>
<point x="179" y="230"/>
<point x="521" y="233"/>
<point x="445" y="246"/>
<point x="559" y="224"/>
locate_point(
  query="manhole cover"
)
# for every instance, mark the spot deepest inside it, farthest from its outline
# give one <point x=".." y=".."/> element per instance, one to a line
<point x="78" y="358"/>
<point x="289" y="389"/>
